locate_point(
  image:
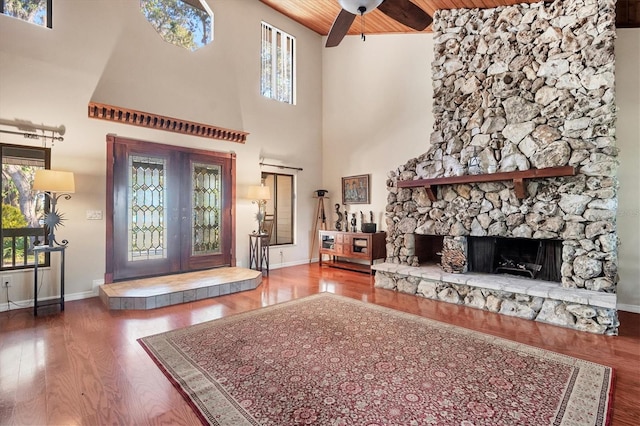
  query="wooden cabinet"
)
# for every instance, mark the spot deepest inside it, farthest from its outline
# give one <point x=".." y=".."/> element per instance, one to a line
<point x="350" y="250"/>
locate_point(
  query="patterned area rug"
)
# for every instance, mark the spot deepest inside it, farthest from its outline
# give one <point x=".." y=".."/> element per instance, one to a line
<point x="331" y="360"/>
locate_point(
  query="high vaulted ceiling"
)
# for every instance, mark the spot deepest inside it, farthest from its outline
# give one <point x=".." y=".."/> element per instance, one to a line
<point x="318" y="15"/>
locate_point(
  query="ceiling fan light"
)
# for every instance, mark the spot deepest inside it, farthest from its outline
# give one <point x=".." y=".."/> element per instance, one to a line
<point x="353" y="6"/>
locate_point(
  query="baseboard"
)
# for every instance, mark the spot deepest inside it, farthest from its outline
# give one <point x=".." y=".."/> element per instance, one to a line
<point x="628" y="308"/>
<point x="26" y="304"/>
<point x="287" y="264"/>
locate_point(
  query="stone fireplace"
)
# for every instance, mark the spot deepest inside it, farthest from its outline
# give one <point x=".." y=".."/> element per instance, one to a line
<point x="521" y="88"/>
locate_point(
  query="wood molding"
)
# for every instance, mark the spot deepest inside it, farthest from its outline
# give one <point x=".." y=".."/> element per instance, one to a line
<point x="517" y="177"/>
<point x="162" y="122"/>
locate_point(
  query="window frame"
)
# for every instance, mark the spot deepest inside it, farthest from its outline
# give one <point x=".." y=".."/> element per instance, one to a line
<point x="46" y="152"/>
<point x="48" y="18"/>
<point x="193" y="4"/>
<point x="272" y="206"/>
<point x="275" y="73"/>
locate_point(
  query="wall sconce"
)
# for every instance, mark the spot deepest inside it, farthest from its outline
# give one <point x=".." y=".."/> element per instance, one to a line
<point x="54" y="184"/>
<point x="260" y="195"/>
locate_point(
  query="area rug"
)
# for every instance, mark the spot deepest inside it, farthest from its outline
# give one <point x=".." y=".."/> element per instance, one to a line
<point x="331" y="360"/>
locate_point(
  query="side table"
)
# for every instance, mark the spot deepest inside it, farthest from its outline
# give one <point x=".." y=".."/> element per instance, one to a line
<point x="259" y="252"/>
<point x="59" y="300"/>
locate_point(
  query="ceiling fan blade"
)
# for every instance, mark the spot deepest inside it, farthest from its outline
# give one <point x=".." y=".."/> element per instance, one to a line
<point x="340" y="28"/>
<point x="407" y="13"/>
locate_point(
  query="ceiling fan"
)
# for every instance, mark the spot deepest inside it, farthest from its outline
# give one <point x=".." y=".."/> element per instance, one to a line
<point x="403" y="11"/>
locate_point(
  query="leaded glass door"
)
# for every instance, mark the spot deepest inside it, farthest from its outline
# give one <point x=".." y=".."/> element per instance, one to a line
<point x="171" y="210"/>
<point x="204" y="241"/>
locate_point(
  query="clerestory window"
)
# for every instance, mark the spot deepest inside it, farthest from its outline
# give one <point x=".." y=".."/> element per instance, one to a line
<point x="277" y="64"/>
<point x="34" y="11"/>
<point x="185" y="23"/>
<point x="22" y="209"/>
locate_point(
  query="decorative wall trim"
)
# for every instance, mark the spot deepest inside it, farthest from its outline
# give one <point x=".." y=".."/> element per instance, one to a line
<point x="162" y="122"/>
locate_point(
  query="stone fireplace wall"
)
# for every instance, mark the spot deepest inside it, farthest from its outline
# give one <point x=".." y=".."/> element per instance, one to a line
<point x="517" y="88"/>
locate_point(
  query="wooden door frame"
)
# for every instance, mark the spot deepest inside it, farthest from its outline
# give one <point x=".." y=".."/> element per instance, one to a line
<point x="111" y="140"/>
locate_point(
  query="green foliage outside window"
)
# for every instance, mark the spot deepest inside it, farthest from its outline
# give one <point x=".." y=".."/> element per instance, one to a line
<point x="178" y="22"/>
<point x="34" y="11"/>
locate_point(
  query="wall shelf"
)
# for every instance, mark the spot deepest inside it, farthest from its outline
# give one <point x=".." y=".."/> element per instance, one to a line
<point x="518" y="177"/>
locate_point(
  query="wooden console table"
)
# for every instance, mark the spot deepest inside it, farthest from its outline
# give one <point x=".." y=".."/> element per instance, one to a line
<point x="58" y="300"/>
<point x="340" y="245"/>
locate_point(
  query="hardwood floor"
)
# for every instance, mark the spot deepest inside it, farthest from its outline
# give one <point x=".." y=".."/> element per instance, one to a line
<point x="84" y="366"/>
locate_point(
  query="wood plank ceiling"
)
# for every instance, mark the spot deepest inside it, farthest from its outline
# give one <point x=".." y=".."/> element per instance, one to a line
<point x="318" y="15"/>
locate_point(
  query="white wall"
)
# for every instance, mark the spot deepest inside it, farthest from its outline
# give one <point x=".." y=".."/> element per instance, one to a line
<point x="628" y="137"/>
<point x="105" y="51"/>
<point x="378" y="114"/>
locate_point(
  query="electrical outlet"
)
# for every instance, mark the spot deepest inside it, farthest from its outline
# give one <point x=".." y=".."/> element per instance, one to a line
<point x="7" y="281"/>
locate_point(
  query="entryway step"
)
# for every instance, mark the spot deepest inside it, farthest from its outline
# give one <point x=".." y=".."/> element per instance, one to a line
<point x="156" y="292"/>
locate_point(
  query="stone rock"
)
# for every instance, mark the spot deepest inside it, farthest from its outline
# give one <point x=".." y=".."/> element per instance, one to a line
<point x="553" y="68"/>
<point x="546" y="134"/>
<point x="449" y="295"/>
<point x="596" y="215"/>
<point x="517" y="132"/>
<point x="577" y="124"/>
<point x="384" y="281"/>
<point x="598" y="228"/>
<point x="406" y="285"/>
<point x="608" y="242"/>
<point x="582" y="311"/>
<point x="592" y="81"/>
<point x="599" y="284"/>
<point x="407" y="225"/>
<point x="573" y="231"/>
<point x="475" y="299"/>
<point x="493" y="125"/>
<point x="547" y="94"/>
<point x="590" y="325"/>
<point x="568" y="81"/>
<point x="574" y="203"/>
<point x="586" y="267"/>
<point x="522" y="231"/>
<point x="519" y="310"/>
<point x="518" y="110"/>
<point x="555" y="312"/>
<point x="497" y="68"/>
<point x="428" y="289"/>
<point x="493" y="303"/>
<point x="554" y="154"/>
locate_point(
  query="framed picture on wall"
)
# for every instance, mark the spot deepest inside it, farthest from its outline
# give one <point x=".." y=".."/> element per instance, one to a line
<point x="355" y="189"/>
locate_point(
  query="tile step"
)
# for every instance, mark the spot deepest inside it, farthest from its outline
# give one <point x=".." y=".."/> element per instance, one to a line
<point x="156" y="292"/>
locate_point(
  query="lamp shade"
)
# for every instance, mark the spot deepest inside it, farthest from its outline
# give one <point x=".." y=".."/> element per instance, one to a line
<point x="259" y="193"/>
<point x="54" y="181"/>
<point x="353" y="5"/>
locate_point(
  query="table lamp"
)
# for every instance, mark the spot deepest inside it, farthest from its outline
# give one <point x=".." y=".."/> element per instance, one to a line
<point x="54" y="184"/>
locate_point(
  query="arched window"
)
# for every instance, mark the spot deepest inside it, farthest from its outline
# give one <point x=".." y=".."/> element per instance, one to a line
<point x="185" y="23"/>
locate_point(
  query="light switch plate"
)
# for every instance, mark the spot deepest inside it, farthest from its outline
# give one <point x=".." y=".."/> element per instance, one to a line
<point x="94" y="214"/>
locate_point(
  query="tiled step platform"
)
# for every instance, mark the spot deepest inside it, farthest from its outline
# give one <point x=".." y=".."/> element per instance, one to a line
<point x="156" y="292"/>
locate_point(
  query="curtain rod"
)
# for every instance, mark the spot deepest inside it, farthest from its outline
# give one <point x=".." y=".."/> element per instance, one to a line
<point x="281" y="167"/>
<point x="33" y="135"/>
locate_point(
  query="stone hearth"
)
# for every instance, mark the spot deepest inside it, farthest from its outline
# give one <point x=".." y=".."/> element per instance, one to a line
<point x="517" y="88"/>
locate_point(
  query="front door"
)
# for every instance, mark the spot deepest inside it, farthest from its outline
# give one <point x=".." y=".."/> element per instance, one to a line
<point x="171" y="211"/>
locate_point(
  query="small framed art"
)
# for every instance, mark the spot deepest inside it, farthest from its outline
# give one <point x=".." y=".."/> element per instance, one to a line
<point x="355" y="189"/>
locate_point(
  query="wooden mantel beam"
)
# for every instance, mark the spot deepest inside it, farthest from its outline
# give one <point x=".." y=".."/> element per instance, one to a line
<point x="162" y="122"/>
<point x="518" y="178"/>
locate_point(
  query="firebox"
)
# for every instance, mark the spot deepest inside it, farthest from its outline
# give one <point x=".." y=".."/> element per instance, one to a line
<point x="530" y="258"/>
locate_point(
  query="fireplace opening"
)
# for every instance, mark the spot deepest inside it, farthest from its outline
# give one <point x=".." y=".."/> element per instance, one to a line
<point x="530" y="258"/>
<point x="428" y="248"/>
